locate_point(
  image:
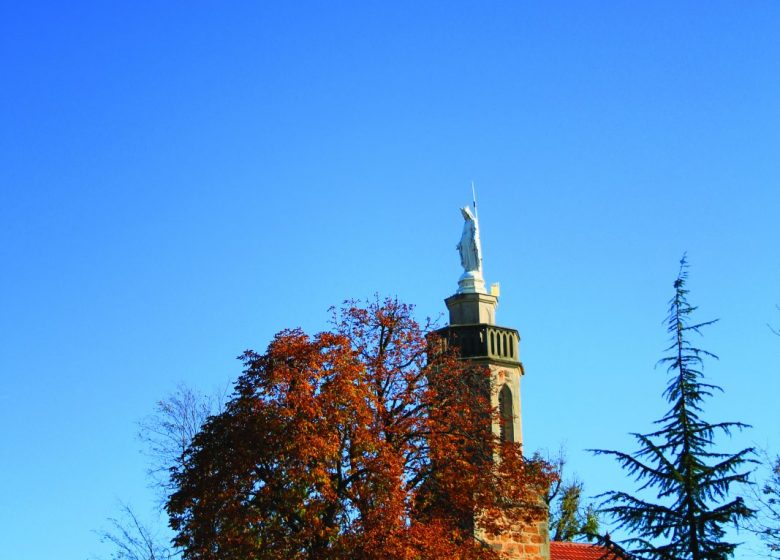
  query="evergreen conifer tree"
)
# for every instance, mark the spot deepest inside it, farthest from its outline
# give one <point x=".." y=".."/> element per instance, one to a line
<point x="679" y="461"/>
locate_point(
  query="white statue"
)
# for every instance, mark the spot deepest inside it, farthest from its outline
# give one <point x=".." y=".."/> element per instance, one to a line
<point x="469" y="247"/>
<point x="470" y="255"/>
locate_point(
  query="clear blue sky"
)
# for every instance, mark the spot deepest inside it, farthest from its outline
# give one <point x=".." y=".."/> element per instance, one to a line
<point x="181" y="180"/>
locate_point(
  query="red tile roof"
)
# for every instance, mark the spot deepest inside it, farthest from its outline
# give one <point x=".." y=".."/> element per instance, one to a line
<point x="579" y="551"/>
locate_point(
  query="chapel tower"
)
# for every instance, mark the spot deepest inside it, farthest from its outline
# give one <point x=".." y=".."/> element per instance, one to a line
<point x="473" y="330"/>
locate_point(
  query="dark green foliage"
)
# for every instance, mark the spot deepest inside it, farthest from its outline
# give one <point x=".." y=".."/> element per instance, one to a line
<point x="679" y="462"/>
<point x="569" y="519"/>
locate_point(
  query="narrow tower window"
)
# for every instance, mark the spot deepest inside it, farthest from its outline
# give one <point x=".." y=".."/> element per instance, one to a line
<point x="506" y="414"/>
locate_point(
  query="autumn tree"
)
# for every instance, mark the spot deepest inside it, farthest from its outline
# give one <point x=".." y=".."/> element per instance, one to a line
<point x="352" y="443"/>
<point x="679" y="460"/>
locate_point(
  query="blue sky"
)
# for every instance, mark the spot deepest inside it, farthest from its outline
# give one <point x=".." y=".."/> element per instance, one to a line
<point x="180" y="181"/>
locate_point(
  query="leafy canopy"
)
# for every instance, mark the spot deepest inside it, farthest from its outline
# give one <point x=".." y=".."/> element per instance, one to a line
<point x="679" y="460"/>
<point x="569" y="518"/>
<point x="352" y="443"/>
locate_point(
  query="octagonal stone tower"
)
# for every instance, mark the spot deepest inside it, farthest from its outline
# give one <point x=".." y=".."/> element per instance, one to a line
<point x="473" y="330"/>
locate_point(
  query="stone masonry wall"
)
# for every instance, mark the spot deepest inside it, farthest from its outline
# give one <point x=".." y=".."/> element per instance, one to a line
<point x="532" y="541"/>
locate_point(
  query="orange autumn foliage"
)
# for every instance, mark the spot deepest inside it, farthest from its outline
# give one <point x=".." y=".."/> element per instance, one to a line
<point x="357" y="443"/>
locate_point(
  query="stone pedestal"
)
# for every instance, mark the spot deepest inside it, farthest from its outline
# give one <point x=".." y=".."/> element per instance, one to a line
<point x="471" y="282"/>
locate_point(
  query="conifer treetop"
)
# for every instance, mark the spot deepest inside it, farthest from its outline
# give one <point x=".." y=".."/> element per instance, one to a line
<point x="680" y="461"/>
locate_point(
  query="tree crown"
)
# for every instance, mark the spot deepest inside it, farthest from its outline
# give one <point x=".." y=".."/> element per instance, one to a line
<point x="353" y="443"/>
